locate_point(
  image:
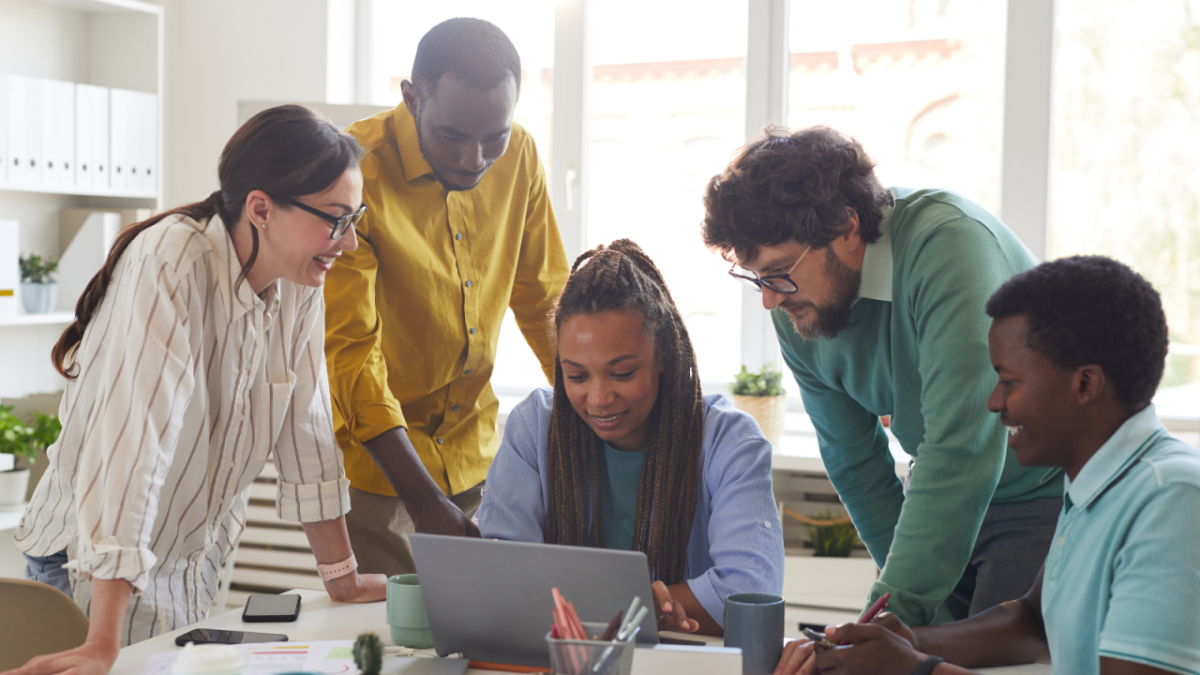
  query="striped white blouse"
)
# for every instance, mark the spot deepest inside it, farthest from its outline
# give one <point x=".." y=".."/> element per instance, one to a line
<point x="184" y="387"/>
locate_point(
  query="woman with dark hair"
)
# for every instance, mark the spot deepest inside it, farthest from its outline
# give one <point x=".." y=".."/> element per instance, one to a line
<point x="196" y="351"/>
<point x="626" y="452"/>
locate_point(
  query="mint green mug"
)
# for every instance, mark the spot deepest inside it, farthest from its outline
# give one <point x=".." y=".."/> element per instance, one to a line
<point x="406" y="612"/>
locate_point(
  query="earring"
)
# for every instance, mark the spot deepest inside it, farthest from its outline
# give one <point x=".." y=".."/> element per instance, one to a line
<point x="263" y="225"/>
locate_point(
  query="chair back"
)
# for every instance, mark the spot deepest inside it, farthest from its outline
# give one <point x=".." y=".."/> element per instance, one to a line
<point x="36" y="619"/>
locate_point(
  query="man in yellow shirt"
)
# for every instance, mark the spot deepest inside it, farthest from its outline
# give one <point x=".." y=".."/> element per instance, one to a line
<point x="458" y="228"/>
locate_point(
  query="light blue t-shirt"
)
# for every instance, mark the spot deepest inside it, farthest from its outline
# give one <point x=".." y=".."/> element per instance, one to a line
<point x="618" y="496"/>
<point x="736" y="544"/>
<point x="1122" y="578"/>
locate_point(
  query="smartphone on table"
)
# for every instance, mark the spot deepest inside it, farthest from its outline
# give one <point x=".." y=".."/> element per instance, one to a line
<point x="203" y="636"/>
<point x="272" y="608"/>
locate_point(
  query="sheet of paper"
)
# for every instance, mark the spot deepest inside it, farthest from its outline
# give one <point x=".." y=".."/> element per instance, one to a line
<point x="325" y="657"/>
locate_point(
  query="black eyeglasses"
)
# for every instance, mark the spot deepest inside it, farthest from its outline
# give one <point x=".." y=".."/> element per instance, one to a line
<point x="339" y="223"/>
<point x="780" y="283"/>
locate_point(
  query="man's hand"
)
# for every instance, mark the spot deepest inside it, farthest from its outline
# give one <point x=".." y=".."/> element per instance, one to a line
<point x="893" y="623"/>
<point x="671" y="615"/>
<point x="798" y="658"/>
<point x="90" y="658"/>
<point x="357" y="588"/>
<point x="870" y="649"/>
<point x="441" y="516"/>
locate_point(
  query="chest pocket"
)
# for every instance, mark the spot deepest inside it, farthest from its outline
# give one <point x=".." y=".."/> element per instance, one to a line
<point x="275" y="398"/>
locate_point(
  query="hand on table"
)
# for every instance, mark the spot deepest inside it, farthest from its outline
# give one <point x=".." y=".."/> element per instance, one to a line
<point x="870" y="648"/>
<point x="90" y="658"/>
<point x="670" y="614"/>
<point x="357" y="588"/>
<point x="893" y="623"/>
<point x="441" y="516"/>
<point x="798" y="658"/>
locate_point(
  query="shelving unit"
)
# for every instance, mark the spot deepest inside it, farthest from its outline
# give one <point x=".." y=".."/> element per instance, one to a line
<point x="109" y="43"/>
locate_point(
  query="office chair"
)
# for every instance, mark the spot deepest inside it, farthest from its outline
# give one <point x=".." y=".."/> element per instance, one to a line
<point x="36" y="619"/>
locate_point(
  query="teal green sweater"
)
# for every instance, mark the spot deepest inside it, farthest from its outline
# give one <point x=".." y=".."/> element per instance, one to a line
<point x="922" y="358"/>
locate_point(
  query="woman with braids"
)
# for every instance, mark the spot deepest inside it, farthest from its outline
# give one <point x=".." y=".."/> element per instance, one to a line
<point x="196" y="351"/>
<point x="626" y="453"/>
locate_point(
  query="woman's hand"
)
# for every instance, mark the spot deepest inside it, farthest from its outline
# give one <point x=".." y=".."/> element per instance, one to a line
<point x="798" y="658"/>
<point x="893" y="623"/>
<point x="90" y="658"/>
<point x="357" y="587"/>
<point x="671" y="615"/>
<point x="870" y="649"/>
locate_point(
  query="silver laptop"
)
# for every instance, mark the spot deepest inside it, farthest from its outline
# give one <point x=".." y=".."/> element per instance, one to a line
<point x="491" y="600"/>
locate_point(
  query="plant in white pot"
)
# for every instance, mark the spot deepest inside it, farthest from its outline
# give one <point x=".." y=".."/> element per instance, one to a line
<point x="761" y="394"/>
<point x="20" y="440"/>
<point x="39" y="293"/>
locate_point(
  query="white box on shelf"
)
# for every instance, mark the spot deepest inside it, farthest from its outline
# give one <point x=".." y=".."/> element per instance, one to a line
<point x="147" y="168"/>
<point x="10" y="273"/>
<point x="58" y="133"/>
<point x="124" y="137"/>
<point x="84" y="256"/>
<point x="24" y="130"/>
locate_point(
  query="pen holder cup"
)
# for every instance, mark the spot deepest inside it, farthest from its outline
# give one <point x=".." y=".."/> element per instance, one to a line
<point x="591" y="656"/>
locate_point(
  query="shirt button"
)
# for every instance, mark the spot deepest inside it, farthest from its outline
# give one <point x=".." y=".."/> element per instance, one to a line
<point x="455" y="407"/>
<point x="439" y="441"/>
<point x="1060" y="541"/>
<point x="468" y="371"/>
<point x="468" y="283"/>
<point x="458" y="236"/>
<point x="472" y="331"/>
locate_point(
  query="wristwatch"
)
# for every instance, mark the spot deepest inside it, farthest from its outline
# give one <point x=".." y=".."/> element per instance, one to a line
<point x="926" y="667"/>
<point x="341" y="569"/>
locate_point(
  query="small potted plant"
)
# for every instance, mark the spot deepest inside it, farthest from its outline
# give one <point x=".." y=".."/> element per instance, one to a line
<point x="20" y="440"/>
<point x="39" y="293"/>
<point x="761" y="394"/>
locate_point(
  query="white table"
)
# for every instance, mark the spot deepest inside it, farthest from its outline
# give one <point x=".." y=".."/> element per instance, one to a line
<point x="323" y="619"/>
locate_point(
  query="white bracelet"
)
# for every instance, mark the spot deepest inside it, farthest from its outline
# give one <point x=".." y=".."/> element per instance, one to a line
<point x="329" y="572"/>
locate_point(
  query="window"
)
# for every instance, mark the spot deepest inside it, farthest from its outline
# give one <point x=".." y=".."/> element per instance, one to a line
<point x="1125" y="169"/>
<point x="667" y="113"/>
<point x="920" y="84"/>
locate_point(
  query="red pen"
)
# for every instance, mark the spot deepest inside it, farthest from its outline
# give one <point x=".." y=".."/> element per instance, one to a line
<point x="879" y="606"/>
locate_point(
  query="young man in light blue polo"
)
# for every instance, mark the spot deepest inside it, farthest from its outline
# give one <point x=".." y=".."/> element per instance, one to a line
<point x="1079" y="346"/>
<point x="877" y="297"/>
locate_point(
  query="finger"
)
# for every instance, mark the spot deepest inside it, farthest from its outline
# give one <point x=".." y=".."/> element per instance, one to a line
<point x="794" y="655"/>
<point x="810" y="665"/>
<point x="662" y="598"/>
<point x="853" y="633"/>
<point x="680" y="616"/>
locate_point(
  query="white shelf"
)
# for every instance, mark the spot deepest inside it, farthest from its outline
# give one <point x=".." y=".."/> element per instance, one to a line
<point x="38" y="319"/>
<point x="107" y="6"/>
<point x="85" y="192"/>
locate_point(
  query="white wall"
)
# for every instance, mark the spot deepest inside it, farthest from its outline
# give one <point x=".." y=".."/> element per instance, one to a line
<point x="219" y="52"/>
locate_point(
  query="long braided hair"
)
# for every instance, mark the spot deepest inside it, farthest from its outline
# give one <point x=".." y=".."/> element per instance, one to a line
<point x="621" y="277"/>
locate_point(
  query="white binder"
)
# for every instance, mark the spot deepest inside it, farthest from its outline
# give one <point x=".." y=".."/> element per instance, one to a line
<point x="122" y="124"/>
<point x="24" y="130"/>
<point x="147" y="169"/>
<point x="3" y="128"/>
<point x="10" y="274"/>
<point x="91" y="136"/>
<point x="58" y="133"/>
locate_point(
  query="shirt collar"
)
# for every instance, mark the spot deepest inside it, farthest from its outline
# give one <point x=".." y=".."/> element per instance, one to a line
<point x="228" y="268"/>
<point x="1114" y="457"/>
<point x="411" y="158"/>
<point x="877" y="260"/>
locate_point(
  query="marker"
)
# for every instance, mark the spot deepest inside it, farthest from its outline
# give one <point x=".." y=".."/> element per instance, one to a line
<point x="879" y="606"/>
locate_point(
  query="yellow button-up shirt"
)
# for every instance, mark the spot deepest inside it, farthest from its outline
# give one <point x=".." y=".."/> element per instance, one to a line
<point x="413" y="316"/>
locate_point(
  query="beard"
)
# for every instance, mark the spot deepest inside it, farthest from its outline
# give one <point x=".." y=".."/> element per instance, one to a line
<point x="834" y="316"/>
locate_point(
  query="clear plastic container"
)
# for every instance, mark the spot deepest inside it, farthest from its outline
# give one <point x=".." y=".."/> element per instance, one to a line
<point x="591" y="656"/>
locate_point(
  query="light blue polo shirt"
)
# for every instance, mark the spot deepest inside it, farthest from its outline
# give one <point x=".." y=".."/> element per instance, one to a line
<point x="1122" y="578"/>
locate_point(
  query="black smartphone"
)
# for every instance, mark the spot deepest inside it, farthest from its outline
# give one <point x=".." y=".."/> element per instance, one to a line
<point x="680" y="641"/>
<point x="202" y="636"/>
<point x="820" y="639"/>
<point x="271" y="608"/>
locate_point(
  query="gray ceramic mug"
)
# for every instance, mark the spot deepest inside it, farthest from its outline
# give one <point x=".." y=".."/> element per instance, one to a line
<point x="754" y="622"/>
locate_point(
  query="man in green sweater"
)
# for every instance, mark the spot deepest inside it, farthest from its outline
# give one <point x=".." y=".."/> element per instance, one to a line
<point x="878" y="298"/>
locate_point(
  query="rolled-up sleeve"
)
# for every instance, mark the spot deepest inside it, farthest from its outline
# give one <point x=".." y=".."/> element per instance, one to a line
<point x="745" y="537"/>
<point x="128" y="448"/>
<point x="312" y="482"/>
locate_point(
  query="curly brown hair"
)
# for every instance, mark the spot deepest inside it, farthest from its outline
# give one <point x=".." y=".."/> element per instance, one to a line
<point x="792" y="186"/>
<point x="621" y="277"/>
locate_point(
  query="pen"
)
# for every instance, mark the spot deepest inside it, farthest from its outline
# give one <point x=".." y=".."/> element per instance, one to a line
<point x="613" y="626"/>
<point x="879" y="606"/>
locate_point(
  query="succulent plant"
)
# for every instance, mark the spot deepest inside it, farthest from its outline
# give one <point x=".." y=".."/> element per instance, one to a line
<point x="368" y="653"/>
